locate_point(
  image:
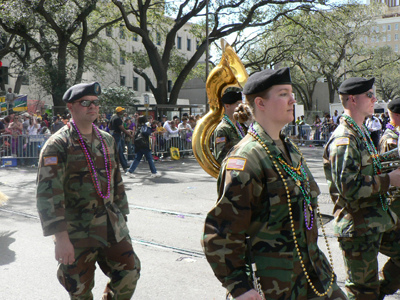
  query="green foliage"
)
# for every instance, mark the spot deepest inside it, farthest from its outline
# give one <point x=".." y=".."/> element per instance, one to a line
<point x="118" y="96"/>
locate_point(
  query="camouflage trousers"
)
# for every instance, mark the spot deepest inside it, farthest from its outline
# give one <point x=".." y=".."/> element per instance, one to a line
<point x="361" y="262"/>
<point x="335" y="293"/>
<point x="117" y="260"/>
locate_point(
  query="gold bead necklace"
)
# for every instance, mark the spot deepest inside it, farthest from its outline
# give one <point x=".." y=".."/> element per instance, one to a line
<point x="257" y="138"/>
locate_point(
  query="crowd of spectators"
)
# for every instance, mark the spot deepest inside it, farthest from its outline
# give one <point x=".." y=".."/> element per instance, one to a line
<point x="17" y="131"/>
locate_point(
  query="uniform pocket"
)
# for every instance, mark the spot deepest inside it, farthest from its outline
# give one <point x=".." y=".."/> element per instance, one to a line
<point x="276" y="274"/>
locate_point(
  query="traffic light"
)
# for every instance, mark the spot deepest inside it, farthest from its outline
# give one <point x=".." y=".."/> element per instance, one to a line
<point x="1" y="64"/>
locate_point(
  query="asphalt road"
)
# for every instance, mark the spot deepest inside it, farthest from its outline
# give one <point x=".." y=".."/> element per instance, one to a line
<point x="166" y="222"/>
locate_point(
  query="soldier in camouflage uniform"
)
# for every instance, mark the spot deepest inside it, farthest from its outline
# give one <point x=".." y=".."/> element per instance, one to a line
<point x="389" y="141"/>
<point x="364" y="223"/>
<point x="81" y="200"/>
<point x="266" y="192"/>
<point x="390" y="138"/>
<point x="228" y="132"/>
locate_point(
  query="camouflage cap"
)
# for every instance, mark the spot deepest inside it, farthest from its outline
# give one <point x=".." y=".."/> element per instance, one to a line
<point x="356" y="86"/>
<point x="265" y="79"/>
<point x="80" y="90"/>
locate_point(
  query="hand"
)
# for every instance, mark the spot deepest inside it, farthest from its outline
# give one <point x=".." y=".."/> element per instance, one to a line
<point x="65" y="253"/>
<point x="249" y="295"/>
<point x="395" y="178"/>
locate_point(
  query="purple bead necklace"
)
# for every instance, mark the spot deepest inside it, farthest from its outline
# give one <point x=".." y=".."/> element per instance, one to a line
<point x="92" y="169"/>
<point x="255" y="135"/>
<point x="299" y="175"/>
<point x="392" y="128"/>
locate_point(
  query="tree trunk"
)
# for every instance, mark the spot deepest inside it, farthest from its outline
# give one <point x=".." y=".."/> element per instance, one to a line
<point x="18" y="83"/>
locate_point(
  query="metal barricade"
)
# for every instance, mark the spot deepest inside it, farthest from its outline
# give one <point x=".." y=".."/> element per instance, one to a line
<point x="162" y="142"/>
<point x="25" y="148"/>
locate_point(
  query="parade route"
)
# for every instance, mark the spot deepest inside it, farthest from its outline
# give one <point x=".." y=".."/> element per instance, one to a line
<point x="166" y="223"/>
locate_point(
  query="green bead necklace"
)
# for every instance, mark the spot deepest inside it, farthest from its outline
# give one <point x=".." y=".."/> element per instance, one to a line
<point x="238" y="128"/>
<point x="376" y="163"/>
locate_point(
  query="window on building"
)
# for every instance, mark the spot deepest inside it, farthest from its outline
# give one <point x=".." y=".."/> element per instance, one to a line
<point x="365" y="39"/>
<point x="179" y="42"/>
<point x="169" y="86"/>
<point x="135" y="83"/>
<point x="109" y="31"/>
<point x="189" y="45"/>
<point x="197" y="44"/>
<point x="396" y="48"/>
<point x="121" y="32"/>
<point x="396" y="26"/>
<point x="383" y="28"/>
<point x="158" y="39"/>
<point x="389" y="37"/>
<point x="377" y="39"/>
<point x="135" y="37"/>
<point x="372" y="40"/>
<point x="122" y="57"/>
<point x="396" y="37"/>
<point x="122" y="81"/>
<point x="147" y="87"/>
<point x="377" y="28"/>
<point x="384" y="39"/>
<point x="389" y="27"/>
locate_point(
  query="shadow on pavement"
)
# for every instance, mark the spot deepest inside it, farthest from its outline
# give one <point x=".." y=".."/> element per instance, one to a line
<point x="7" y="255"/>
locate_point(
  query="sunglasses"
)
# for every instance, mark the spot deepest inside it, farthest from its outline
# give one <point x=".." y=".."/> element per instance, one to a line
<point x="87" y="103"/>
<point x="369" y="94"/>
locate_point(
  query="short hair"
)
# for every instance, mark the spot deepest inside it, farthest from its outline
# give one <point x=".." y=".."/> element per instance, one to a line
<point x="343" y="99"/>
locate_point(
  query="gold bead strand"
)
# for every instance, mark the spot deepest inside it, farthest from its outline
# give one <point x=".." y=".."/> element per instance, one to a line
<point x="292" y="223"/>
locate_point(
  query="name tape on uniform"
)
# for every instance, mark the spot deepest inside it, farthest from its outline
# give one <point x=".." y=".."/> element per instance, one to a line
<point x="50" y="160"/>
<point x="220" y="140"/>
<point x="236" y="164"/>
<point x="342" y="141"/>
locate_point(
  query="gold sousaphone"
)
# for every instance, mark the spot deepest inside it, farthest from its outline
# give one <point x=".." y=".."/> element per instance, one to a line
<point x="230" y="72"/>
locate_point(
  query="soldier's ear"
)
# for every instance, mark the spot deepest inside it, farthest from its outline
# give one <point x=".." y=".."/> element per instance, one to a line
<point x="258" y="101"/>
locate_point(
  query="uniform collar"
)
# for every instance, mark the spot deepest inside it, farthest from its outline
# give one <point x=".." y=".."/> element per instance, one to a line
<point x="293" y="151"/>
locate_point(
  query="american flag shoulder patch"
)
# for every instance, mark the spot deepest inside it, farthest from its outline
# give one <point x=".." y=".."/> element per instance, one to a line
<point x="392" y="141"/>
<point x="220" y="140"/>
<point x="342" y="141"/>
<point x="236" y="164"/>
<point x="50" y="160"/>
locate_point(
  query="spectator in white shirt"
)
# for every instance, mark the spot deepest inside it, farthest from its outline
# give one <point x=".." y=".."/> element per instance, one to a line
<point x="374" y="126"/>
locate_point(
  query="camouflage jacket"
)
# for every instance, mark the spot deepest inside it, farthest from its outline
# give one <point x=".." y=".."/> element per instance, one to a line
<point x="353" y="187"/>
<point x="388" y="141"/>
<point x="66" y="196"/>
<point x="225" y="137"/>
<point x="252" y="201"/>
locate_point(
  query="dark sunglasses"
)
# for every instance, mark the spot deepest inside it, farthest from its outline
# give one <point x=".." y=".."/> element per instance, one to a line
<point x="369" y="94"/>
<point x="87" y="103"/>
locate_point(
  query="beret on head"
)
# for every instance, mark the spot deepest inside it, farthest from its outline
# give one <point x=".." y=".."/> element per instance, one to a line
<point x="80" y="90"/>
<point x="231" y="97"/>
<point x="265" y="79"/>
<point x="356" y="86"/>
<point x="394" y="105"/>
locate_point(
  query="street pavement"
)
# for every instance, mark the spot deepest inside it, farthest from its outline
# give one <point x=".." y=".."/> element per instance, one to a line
<point x="165" y="223"/>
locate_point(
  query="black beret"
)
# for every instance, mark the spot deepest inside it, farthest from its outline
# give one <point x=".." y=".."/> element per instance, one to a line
<point x="394" y="105"/>
<point x="356" y="86"/>
<point x="265" y="79"/>
<point x="80" y="90"/>
<point x="231" y="97"/>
